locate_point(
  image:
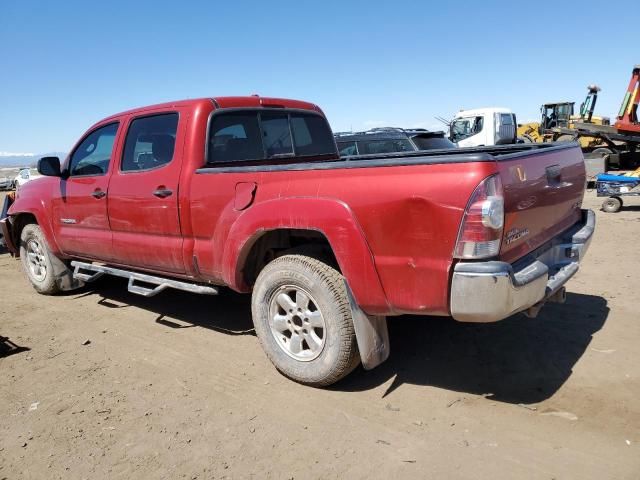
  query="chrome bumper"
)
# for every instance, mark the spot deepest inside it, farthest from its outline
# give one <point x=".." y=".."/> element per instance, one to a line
<point x="491" y="291"/>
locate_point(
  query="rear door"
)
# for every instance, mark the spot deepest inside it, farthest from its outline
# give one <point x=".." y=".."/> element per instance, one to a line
<point x="143" y="194"/>
<point x="79" y="207"/>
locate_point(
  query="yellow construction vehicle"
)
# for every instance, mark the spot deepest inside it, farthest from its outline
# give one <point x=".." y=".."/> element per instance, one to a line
<point x="558" y="122"/>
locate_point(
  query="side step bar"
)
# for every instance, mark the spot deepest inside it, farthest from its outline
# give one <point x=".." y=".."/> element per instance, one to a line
<point x="97" y="271"/>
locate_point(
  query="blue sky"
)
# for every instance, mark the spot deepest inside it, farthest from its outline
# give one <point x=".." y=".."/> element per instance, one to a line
<point x="65" y="65"/>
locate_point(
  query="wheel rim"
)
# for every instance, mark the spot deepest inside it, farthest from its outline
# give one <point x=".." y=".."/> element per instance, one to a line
<point x="35" y="256"/>
<point x="296" y="323"/>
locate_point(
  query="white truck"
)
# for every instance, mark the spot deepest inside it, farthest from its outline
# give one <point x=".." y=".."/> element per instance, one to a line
<point x="483" y="127"/>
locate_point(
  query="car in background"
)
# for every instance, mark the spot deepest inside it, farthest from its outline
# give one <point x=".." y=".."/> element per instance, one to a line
<point x="24" y="175"/>
<point x="390" y="140"/>
<point x="6" y="183"/>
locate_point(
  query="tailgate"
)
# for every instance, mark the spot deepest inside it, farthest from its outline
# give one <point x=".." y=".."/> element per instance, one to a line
<point x="543" y="191"/>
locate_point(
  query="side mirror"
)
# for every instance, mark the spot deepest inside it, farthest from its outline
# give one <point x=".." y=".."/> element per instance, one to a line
<point x="49" y="166"/>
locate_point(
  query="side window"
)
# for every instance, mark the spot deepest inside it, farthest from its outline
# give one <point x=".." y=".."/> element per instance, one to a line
<point x="94" y="153"/>
<point x="234" y="136"/>
<point x="460" y="129"/>
<point x="347" y="148"/>
<point x="150" y="142"/>
<point x="276" y="134"/>
<point x="478" y="124"/>
<point x="506" y="119"/>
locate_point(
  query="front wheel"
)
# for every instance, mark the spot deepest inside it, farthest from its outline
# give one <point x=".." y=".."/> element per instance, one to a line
<point x="302" y="317"/>
<point x="47" y="273"/>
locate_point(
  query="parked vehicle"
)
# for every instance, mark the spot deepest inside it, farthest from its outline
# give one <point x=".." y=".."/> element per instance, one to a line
<point x="615" y="187"/>
<point x="24" y="175"/>
<point x="390" y="140"/>
<point x="6" y="183"/>
<point x="6" y="203"/>
<point x="250" y="193"/>
<point x="483" y="127"/>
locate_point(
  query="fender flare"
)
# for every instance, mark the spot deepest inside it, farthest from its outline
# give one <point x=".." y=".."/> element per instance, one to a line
<point x="37" y="209"/>
<point x="334" y="219"/>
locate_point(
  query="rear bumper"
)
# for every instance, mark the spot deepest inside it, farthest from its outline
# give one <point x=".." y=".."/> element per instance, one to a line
<point x="491" y="291"/>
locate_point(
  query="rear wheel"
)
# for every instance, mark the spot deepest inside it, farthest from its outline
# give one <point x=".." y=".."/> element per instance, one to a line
<point x="302" y="317"/>
<point x="612" y="204"/>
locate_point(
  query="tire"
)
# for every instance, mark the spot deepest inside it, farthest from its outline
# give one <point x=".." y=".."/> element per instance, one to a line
<point x="612" y="205"/>
<point x="302" y="317"/>
<point x="48" y="274"/>
<point x="601" y="152"/>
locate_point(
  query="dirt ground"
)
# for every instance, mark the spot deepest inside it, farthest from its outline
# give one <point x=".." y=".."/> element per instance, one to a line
<point x="177" y="387"/>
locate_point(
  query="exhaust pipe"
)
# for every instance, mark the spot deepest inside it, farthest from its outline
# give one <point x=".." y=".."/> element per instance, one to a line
<point x="558" y="297"/>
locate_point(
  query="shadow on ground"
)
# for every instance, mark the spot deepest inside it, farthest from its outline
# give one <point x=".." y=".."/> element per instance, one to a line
<point x="228" y="312"/>
<point x="7" y="347"/>
<point x="518" y="360"/>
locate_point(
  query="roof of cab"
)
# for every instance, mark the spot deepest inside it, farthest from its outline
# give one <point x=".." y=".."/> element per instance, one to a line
<point x="224" y="102"/>
<point x="481" y="111"/>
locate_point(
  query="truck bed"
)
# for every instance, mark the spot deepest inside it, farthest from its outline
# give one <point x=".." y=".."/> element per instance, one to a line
<point x="457" y="155"/>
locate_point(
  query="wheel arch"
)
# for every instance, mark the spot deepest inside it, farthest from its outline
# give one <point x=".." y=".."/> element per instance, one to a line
<point x="325" y="223"/>
<point x="22" y="218"/>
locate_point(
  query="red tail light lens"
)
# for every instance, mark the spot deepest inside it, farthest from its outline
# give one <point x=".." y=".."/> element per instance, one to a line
<point x="481" y="229"/>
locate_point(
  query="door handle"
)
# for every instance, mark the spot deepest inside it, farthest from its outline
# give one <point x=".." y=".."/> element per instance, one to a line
<point x="98" y="193"/>
<point x="162" y="192"/>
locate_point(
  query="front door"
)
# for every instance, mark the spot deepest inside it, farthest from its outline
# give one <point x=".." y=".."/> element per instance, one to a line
<point x="143" y="194"/>
<point x="79" y="207"/>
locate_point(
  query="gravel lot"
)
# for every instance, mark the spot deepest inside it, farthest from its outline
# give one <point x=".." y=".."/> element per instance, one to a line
<point x="105" y="384"/>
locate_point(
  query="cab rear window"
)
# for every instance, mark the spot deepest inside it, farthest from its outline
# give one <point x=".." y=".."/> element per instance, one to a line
<point x="243" y="136"/>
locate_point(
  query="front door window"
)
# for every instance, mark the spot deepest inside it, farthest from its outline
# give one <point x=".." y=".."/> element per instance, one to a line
<point x="93" y="155"/>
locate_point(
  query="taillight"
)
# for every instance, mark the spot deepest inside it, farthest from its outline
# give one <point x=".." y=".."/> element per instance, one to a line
<point x="481" y="228"/>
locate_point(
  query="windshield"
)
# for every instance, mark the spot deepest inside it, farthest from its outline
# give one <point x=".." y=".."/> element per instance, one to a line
<point x="465" y="127"/>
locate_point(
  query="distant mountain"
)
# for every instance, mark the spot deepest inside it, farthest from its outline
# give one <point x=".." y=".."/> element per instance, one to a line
<point x="26" y="160"/>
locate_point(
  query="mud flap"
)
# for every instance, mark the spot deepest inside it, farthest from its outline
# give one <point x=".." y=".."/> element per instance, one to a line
<point x="371" y="334"/>
<point x="64" y="275"/>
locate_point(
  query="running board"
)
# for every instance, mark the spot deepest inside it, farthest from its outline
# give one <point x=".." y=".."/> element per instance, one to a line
<point x="161" y="283"/>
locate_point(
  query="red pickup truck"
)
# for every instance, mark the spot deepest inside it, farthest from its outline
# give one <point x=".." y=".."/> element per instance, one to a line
<point x="250" y="193"/>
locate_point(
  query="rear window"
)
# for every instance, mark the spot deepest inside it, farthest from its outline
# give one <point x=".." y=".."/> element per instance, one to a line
<point x="276" y="135"/>
<point x="257" y="135"/>
<point x="311" y="135"/>
<point x="432" y="142"/>
<point x="235" y="137"/>
<point x="366" y="147"/>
